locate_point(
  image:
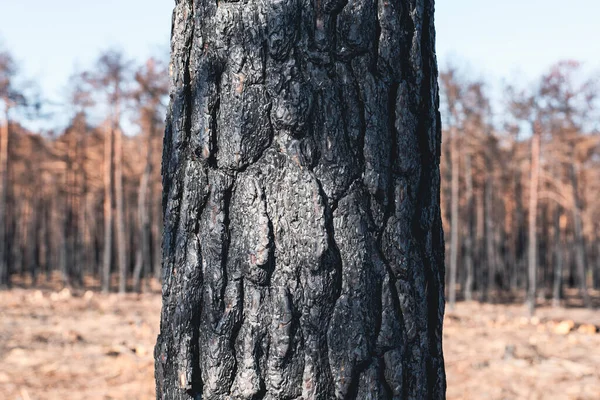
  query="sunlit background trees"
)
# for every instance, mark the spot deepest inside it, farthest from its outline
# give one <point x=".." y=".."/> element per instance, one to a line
<point x="520" y="194"/>
<point x="84" y="200"/>
<point x="520" y="190"/>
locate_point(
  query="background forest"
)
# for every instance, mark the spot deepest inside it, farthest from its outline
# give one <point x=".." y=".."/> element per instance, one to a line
<point x="84" y="200"/>
<point x="520" y="186"/>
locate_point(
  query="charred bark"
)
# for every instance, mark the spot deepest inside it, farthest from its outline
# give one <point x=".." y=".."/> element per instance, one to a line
<point x="303" y="250"/>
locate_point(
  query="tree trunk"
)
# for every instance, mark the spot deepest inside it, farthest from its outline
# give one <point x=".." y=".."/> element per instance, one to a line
<point x="107" y="254"/>
<point x="544" y="255"/>
<point x="533" y="201"/>
<point x="580" y="253"/>
<point x="453" y="217"/>
<point x="480" y="242"/>
<point x="120" y="208"/>
<point x="143" y="249"/>
<point x="85" y="250"/>
<point x="597" y="280"/>
<point x="47" y="254"/>
<point x="67" y="212"/>
<point x="558" y="259"/>
<point x="4" y="132"/>
<point x="469" y="231"/>
<point x="519" y="243"/>
<point x="303" y="250"/>
<point x="490" y="256"/>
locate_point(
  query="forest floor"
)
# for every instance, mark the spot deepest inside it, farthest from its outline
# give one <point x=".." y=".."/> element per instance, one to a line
<point x="85" y="345"/>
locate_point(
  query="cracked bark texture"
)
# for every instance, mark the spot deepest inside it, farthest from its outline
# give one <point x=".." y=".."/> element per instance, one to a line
<point x="303" y="247"/>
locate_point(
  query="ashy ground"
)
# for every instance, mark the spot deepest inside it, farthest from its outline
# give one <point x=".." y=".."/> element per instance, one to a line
<point x="84" y="345"/>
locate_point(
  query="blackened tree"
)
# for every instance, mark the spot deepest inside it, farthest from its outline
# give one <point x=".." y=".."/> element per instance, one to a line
<point x="303" y="248"/>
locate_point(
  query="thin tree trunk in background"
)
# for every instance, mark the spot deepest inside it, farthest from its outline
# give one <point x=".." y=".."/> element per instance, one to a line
<point x="83" y="255"/>
<point x="533" y="202"/>
<point x="480" y="243"/>
<point x="107" y="253"/>
<point x="97" y="237"/>
<point x="541" y="249"/>
<point x="48" y="238"/>
<point x="519" y="233"/>
<point x="68" y="209"/>
<point x="19" y="236"/>
<point x="30" y="242"/>
<point x="120" y="210"/>
<point x="597" y="280"/>
<point x="84" y="259"/>
<point x="303" y="251"/>
<point x="453" y="218"/>
<point x="63" y="258"/>
<point x="469" y="231"/>
<point x="490" y="259"/>
<point x="4" y="132"/>
<point x="593" y="272"/>
<point x="580" y="253"/>
<point x="38" y="238"/>
<point x="143" y="255"/>
<point x="89" y="224"/>
<point x="78" y="184"/>
<point x="558" y="258"/>
<point x="510" y="245"/>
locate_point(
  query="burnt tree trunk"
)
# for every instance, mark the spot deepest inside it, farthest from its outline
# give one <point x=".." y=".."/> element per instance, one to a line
<point x="454" y="185"/>
<point x="490" y="250"/>
<point x="580" y="251"/>
<point x="4" y="133"/>
<point x="558" y="259"/>
<point x="143" y="256"/>
<point x="532" y="262"/>
<point x="468" y="290"/>
<point x="520" y="239"/>
<point x="107" y="207"/>
<point x="120" y="207"/>
<point x="303" y="248"/>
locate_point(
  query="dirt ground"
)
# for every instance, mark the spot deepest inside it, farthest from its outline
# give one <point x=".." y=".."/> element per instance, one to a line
<point x="84" y="345"/>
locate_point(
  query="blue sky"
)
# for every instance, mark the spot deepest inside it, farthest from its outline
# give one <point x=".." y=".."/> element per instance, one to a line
<point x="496" y="39"/>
